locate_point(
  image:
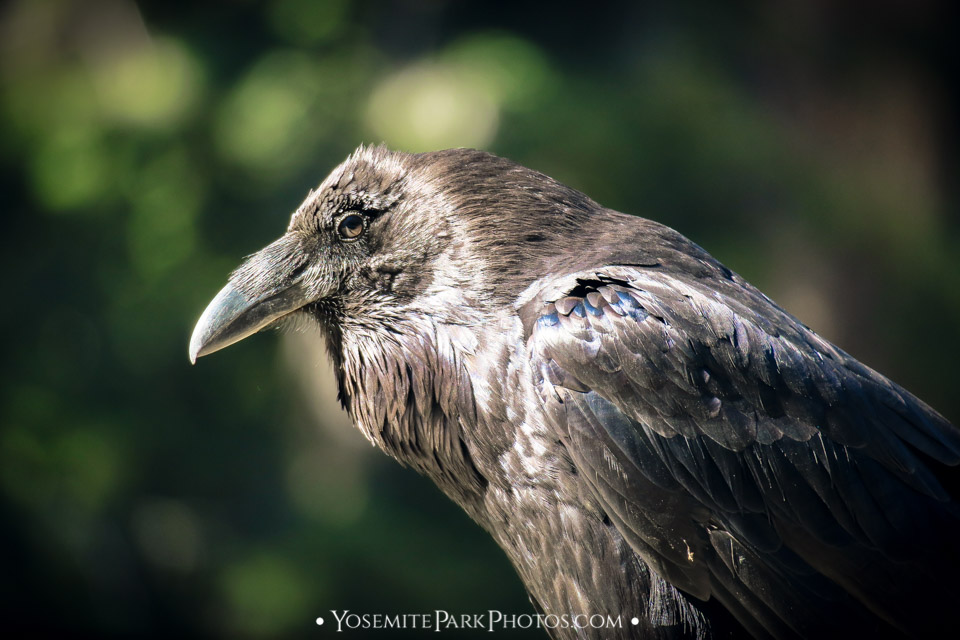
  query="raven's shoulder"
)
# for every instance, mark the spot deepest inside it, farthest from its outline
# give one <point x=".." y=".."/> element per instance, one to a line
<point x="745" y="457"/>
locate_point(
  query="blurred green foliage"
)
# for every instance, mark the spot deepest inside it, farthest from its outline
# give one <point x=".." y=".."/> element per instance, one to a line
<point x="146" y="147"/>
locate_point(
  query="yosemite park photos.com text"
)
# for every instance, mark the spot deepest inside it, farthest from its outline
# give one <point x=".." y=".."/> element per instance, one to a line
<point x="491" y="621"/>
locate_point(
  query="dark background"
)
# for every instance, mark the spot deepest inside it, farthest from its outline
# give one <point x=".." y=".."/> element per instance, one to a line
<point x="148" y="146"/>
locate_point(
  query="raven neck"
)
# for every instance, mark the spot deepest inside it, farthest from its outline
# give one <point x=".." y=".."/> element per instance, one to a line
<point x="408" y="391"/>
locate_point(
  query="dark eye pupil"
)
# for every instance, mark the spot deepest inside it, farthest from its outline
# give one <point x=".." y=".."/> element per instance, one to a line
<point x="351" y="226"/>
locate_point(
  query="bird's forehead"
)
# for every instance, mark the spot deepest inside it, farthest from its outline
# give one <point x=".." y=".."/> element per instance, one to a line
<point x="361" y="183"/>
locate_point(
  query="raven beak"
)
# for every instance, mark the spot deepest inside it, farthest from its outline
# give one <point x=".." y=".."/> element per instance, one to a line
<point x="231" y="317"/>
<point x="253" y="300"/>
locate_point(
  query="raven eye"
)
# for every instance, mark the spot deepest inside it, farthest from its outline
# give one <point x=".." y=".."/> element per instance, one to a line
<point x="351" y="227"/>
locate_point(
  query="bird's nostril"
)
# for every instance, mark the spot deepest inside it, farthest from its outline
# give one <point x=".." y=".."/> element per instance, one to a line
<point x="298" y="271"/>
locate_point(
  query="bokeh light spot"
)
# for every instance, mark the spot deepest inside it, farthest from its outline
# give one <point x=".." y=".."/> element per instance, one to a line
<point x="69" y="169"/>
<point x="513" y="70"/>
<point x="265" y="124"/>
<point x="266" y="594"/>
<point x="154" y="84"/>
<point x="433" y="106"/>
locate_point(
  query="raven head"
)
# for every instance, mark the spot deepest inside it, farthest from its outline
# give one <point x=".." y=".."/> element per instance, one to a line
<point x="352" y="242"/>
<point x="362" y="248"/>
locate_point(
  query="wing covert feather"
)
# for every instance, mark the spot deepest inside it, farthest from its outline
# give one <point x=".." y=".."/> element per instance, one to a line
<point x="715" y="426"/>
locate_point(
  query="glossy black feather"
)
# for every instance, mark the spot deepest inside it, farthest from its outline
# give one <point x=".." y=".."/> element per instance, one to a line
<point x="746" y="456"/>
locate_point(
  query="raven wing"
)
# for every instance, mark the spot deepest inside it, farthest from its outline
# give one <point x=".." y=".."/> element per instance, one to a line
<point x="744" y="457"/>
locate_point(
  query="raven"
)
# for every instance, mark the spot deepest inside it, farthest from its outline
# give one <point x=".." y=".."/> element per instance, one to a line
<point x="643" y="432"/>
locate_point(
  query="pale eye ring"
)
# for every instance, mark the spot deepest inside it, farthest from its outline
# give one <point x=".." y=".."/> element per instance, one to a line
<point x="351" y="226"/>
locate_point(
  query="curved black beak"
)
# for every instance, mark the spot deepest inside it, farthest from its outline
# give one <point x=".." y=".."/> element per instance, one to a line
<point x="232" y="316"/>
<point x="267" y="287"/>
